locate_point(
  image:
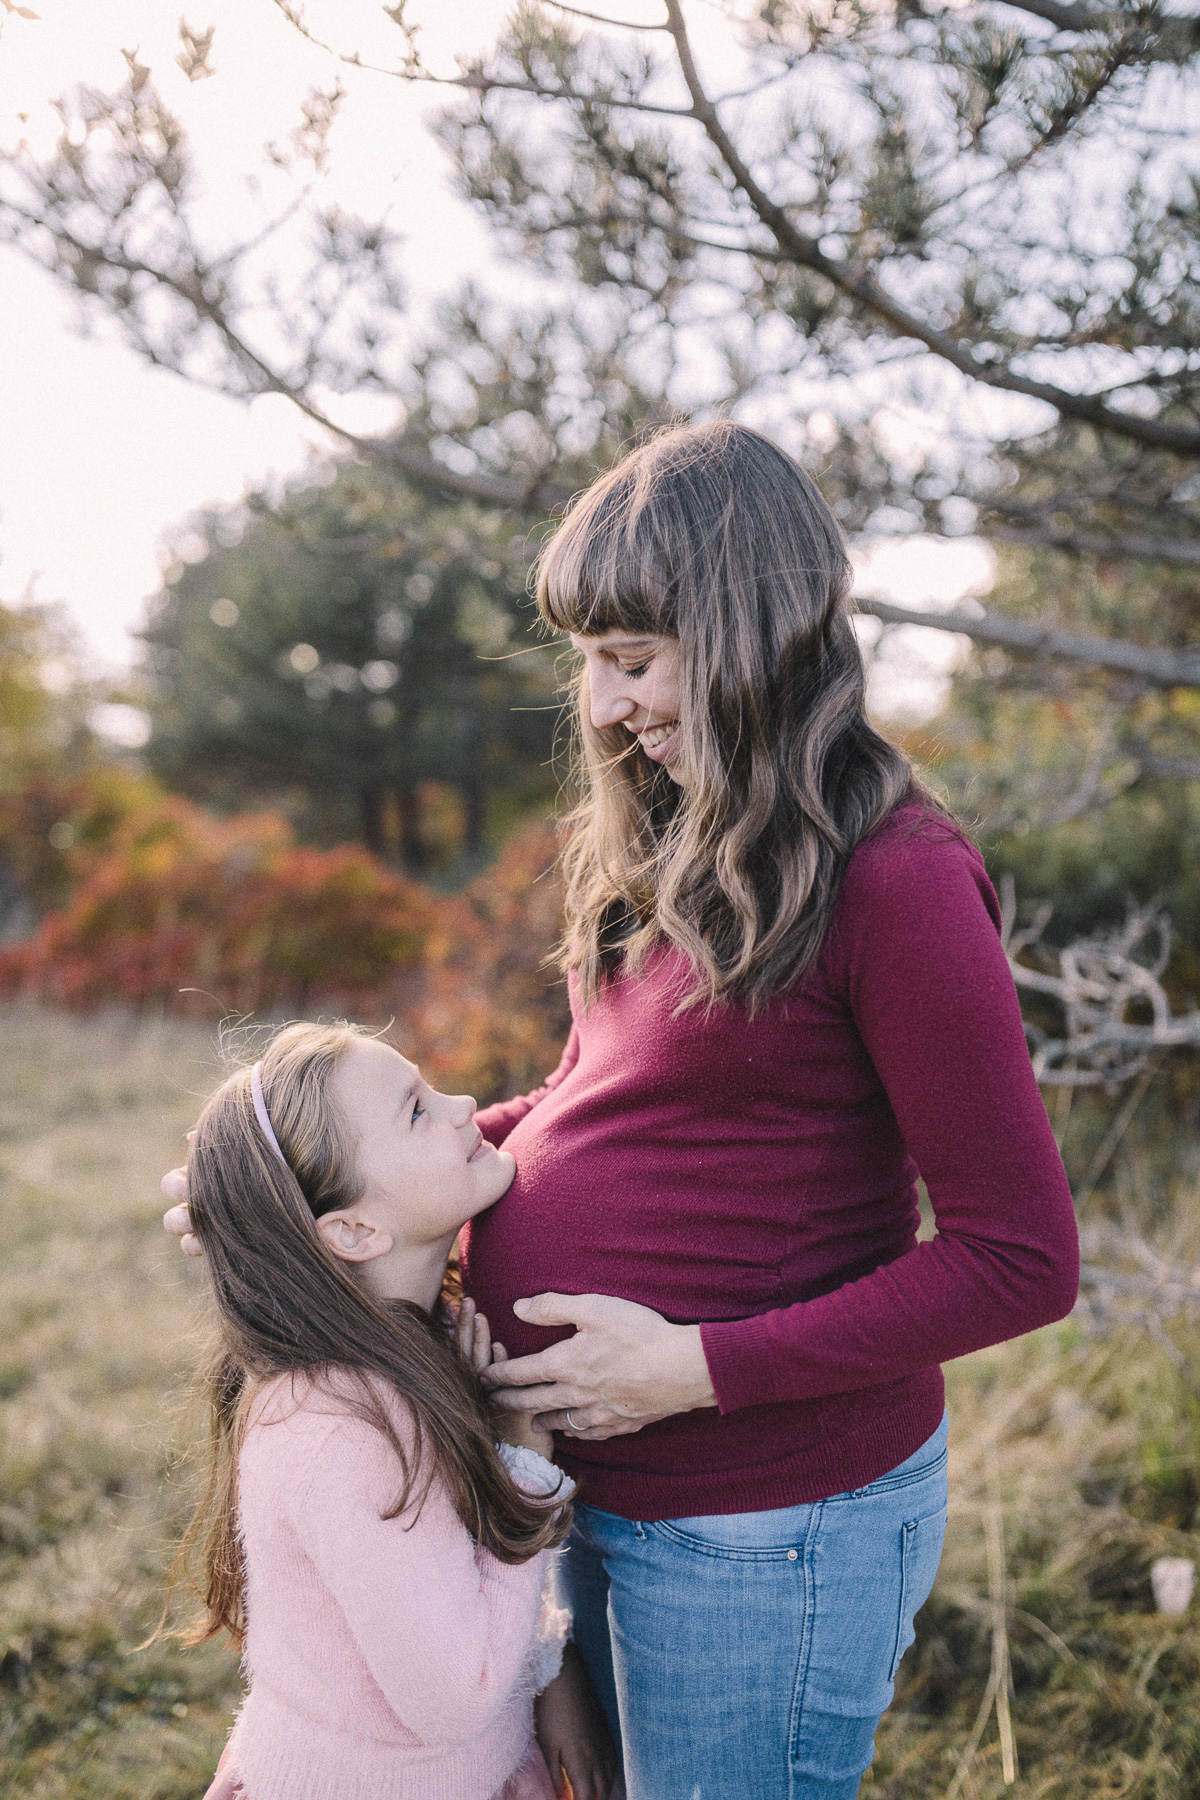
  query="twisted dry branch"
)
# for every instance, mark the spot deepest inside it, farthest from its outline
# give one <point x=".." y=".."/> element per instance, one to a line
<point x="1145" y="1292"/>
<point x="1101" y="980"/>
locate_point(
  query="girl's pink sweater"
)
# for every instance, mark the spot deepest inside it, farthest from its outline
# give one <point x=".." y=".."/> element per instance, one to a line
<point x="389" y="1659"/>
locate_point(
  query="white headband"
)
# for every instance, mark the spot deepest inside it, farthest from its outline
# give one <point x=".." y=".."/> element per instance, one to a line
<point x="261" y="1113"/>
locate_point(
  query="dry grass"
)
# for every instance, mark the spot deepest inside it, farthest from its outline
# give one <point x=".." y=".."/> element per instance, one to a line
<point x="1088" y="1452"/>
<point x="96" y="1308"/>
<point x="1094" y="1473"/>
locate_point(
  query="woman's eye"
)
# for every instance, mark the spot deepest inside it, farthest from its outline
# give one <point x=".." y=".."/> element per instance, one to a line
<point x="640" y="670"/>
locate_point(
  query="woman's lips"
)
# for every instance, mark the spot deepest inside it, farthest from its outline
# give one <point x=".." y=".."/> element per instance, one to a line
<point x="662" y="740"/>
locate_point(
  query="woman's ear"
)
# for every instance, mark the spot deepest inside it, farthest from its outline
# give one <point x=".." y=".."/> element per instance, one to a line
<point x="353" y="1239"/>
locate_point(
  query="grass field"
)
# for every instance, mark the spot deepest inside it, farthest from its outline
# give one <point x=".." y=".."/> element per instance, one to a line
<point x="1075" y="1459"/>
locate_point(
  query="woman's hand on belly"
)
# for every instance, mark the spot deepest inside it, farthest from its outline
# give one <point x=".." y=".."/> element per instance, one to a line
<point x="625" y="1367"/>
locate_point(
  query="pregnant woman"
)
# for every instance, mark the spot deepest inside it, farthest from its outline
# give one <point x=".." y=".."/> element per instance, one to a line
<point x="789" y="998"/>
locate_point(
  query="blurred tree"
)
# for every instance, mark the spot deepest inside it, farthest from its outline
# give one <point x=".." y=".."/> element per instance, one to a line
<point x="1028" y="749"/>
<point x="348" y="646"/>
<point x="898" y="220"/>
<point x="44" y="700"/>
<point x="44" y="739"/>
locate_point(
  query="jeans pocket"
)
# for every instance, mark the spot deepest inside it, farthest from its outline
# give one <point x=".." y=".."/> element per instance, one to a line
<point x="737" y="1544"/>
<point x="920" y="1554"/>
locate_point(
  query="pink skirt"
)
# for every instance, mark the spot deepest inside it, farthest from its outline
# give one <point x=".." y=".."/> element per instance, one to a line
<point x="529" y="1782"/>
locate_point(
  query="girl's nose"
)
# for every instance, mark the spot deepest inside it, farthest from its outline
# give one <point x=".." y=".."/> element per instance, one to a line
<point x="461" y="1108"/>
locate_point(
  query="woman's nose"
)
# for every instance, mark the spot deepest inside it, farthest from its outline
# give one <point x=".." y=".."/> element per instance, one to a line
<point x="606" y="702"/>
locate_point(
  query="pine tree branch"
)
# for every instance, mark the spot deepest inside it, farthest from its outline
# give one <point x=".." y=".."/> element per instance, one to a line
<point x="475" y="81"/>
<point x="861" y="284"/>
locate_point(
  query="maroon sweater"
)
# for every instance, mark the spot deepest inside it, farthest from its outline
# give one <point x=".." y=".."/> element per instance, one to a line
<point x="758" y="1176"/>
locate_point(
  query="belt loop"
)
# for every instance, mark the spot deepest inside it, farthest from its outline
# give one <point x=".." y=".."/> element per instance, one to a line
<point x="639" y="1530"/>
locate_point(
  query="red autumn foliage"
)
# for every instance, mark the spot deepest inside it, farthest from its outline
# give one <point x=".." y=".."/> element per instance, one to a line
<point x="159" y="903"/>
<point x="179" y="900"/>
<point x="493" y="1017"/>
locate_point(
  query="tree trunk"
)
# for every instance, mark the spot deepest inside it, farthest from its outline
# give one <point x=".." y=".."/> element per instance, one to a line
<point x="471" y="787"/>
<point x="413" y="853"/>
<point x="370" y="802"/>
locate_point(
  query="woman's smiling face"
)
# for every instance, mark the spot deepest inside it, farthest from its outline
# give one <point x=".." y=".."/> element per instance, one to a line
<point x="425" y="1165"/>
<point x="634" y="680"/>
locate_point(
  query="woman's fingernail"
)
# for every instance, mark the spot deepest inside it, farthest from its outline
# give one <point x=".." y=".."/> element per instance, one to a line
<point x="521" y="1307"/>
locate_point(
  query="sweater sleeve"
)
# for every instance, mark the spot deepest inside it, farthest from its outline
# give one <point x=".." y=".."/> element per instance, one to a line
<point x="916" y="953"/>
<point x="497" y="1121"/>
<point x="445" y="1629"/>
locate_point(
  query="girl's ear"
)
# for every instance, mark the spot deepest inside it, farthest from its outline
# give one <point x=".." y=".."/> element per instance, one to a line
<point x="351" y="1239"/>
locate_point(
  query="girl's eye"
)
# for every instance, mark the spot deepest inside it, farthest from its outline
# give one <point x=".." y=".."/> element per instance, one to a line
<point x="417" y="1110"/>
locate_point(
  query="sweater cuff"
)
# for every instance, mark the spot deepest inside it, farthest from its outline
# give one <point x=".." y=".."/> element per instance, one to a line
<point x="741" y="1361"/>
<point x="535" y="1475"/>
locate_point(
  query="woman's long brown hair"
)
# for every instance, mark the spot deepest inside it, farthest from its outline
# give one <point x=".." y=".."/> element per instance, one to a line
<point x="287" y="1306"/>
<point x="711" y="535"/>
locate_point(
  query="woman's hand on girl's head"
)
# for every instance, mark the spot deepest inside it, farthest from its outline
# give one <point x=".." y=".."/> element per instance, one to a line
<point x="177" y="1219"/>
<point x="573" y="1733"/>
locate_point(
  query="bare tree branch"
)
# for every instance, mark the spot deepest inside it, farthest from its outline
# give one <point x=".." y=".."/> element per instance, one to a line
<point x="577" y="12"/>
<point x="1167" y="768"/>
<point x="1132" y="546"/>
<point x="1066" y="18"/>
<point x="1178" y="32"/>
<point x="1162" y="668"/>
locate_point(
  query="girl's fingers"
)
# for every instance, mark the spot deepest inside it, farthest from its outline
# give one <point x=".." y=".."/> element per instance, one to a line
<point x="481" y="1349"/>
<point x="499" y="1353"/>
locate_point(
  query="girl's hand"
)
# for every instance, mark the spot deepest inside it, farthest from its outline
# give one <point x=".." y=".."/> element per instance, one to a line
<point x="521" y="1429"/>
<point x="573" y="1733"/>
<point x="474" y="1339"/>
<point x="473" y="1336"/>
<point x="625" y="1367"/>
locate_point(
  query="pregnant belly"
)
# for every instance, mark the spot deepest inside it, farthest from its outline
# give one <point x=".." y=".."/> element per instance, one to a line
<point x="664" y="1248"/>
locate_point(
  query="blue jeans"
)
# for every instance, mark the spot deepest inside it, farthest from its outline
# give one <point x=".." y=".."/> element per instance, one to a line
<point x="750" y="1656"/>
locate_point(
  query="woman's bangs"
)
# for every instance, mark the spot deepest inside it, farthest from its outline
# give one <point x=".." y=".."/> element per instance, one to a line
<point x="595" y="577"/>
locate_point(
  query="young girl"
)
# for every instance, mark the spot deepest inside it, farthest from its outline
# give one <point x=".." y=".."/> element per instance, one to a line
<point x="379" y="1557"/>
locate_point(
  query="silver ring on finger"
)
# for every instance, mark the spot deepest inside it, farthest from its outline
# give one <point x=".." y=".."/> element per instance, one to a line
<point x="571" y="1425"/>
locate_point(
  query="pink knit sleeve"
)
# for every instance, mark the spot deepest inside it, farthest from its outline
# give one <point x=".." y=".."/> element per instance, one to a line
<point x="497" y="1121"/>
<point x="916" y="955"/>
<point x="444" y="1628"/>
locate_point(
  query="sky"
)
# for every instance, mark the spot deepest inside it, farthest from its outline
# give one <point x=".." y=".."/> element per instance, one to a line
<point x="102" y="458"/>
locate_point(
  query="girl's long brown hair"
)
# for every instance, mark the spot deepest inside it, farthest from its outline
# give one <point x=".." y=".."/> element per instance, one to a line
<point x="287" y="1306"/>
<point x="711" y="535"/>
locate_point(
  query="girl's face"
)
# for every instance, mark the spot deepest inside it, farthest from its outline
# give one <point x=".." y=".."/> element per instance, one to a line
<point x="425" y="1165"/>
<point x="636" y="681"/>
